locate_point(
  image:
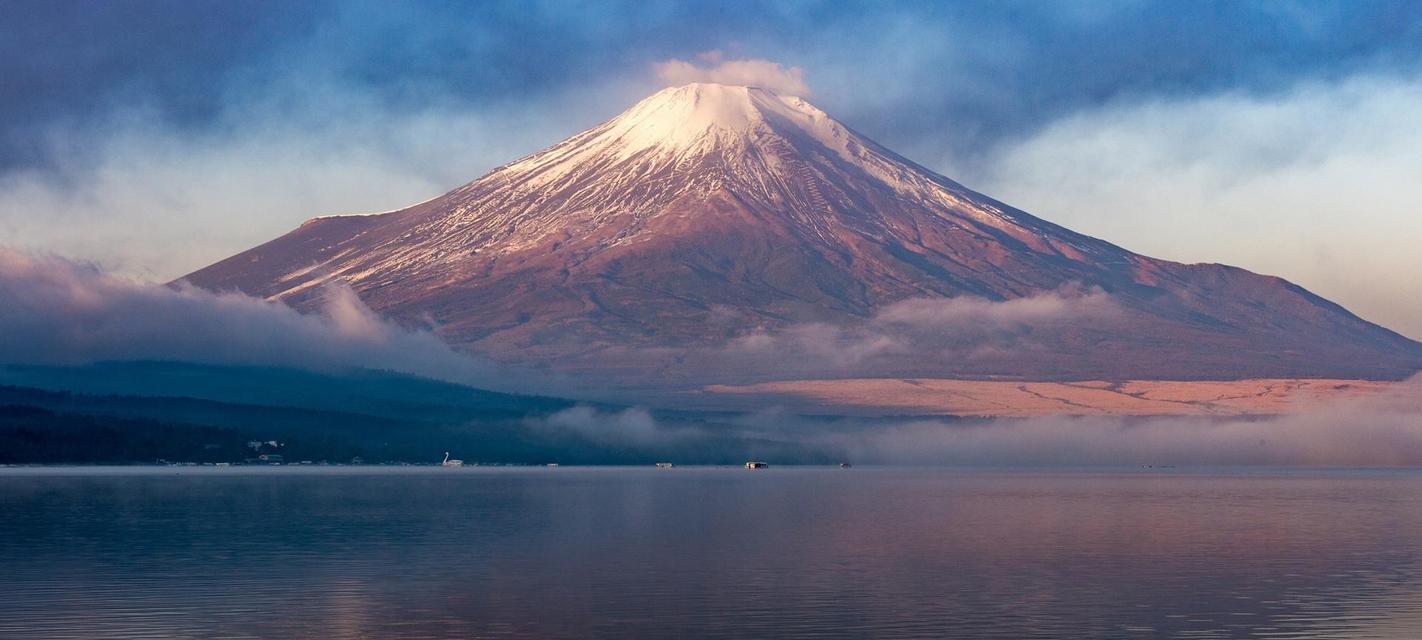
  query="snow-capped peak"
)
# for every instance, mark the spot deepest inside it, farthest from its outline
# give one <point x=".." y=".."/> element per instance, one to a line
<point x="679" y="118"/>
<point x="709" y="211"/>
<point x="691" y="119"/>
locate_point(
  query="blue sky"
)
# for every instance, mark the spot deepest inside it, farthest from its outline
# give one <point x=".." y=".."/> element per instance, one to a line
<point x="156" y="137"/>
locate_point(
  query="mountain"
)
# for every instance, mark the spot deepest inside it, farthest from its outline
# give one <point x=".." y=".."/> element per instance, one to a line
<point x="710" y="231"/>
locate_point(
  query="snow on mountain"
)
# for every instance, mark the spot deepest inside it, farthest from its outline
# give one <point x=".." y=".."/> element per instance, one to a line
<point x="655" y="244"/>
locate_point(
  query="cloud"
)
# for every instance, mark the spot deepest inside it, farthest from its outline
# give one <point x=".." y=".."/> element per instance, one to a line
<point x="633" y="426"/>
<point x="928" y="329"/>
<point x="711" y="67"/>
<point x="988" y="70"/>
<point x="965" y="312"/>
<point x="60" y="312"/>
<point x="1380" y="430"/>
<point x="1316" y="183"/>
<point x="183" y="147"/>
<point x="1384" y="430"/>
<point x="144" y="196"/>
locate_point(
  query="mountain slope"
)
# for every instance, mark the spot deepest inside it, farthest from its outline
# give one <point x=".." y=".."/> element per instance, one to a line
<point x="656" y="243"/>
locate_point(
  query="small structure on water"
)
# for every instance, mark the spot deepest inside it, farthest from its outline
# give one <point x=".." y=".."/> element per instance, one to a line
<point x="665" y="465"/>
<point x="756" y="465"/>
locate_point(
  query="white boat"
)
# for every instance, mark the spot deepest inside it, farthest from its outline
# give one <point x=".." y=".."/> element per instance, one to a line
<point x="665" y="465"/>
<point x="756" y="465"/>
<point x="451" y="463"/>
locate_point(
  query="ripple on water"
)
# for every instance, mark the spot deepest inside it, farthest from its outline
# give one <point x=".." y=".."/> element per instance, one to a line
<point x="794" y="553"/>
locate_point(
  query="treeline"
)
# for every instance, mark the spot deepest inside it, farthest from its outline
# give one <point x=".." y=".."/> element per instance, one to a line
<point x="399" y="420"/>
<point x="36" y="435"/>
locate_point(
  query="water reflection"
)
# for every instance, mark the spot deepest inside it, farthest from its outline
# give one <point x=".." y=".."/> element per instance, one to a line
<point x="709" y="553"/>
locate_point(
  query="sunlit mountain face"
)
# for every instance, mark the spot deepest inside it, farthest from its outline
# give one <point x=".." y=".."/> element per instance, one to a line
<point x="716" y="233"/>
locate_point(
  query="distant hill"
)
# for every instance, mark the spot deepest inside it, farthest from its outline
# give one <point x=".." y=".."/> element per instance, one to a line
<point x="138" y="412"/>
<point x="363" y="391"/>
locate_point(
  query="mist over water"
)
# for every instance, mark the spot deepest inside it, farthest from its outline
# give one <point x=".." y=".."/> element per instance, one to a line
<point x="1379" y="430"/>
<point x="1325" y="437"/>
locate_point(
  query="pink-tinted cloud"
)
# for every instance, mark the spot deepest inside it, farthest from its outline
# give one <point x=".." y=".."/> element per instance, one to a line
<point x="712" y="67"/>
<point x="1381" y="430"/>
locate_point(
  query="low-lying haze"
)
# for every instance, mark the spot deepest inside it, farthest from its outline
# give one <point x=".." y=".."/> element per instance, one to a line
<point x="58" y="312"/>
<point x="1380" y="430"/>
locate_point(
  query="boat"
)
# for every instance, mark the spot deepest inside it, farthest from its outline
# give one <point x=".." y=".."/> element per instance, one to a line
<point x="451" y="463"/>
<point x="665" y="465"/>
<point x="844" y="465"/>
<point x="756" y="465"/>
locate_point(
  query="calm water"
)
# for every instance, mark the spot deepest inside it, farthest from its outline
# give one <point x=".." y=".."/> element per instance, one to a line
<point x="785" y="552"/>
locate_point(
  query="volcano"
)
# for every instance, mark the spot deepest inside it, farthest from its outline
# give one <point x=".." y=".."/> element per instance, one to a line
<point x="686" y="238"/>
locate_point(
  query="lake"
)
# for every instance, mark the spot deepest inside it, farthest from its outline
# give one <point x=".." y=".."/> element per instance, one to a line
<point x="796" y="552"/>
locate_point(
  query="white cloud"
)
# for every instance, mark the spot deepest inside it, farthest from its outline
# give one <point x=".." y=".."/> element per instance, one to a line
<point x="62" y="313"/>
<point x="634" y="426"/>
<point x="149" y="198"/>
<point x="712" y="67"/>
<point x="928" y="329"/>
<point x="1319" y="184"/>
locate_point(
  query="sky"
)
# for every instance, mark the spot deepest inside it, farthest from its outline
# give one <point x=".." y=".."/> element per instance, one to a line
<point x="152" y="138"/>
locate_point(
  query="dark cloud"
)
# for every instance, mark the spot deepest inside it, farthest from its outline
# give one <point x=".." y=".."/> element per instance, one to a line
<point x="962" y="74"/>
<point x="947" y="83"/>
<point x="72" y="63"/>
